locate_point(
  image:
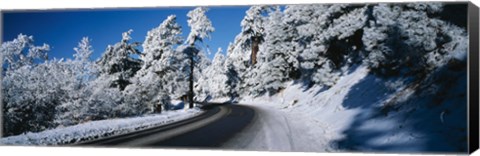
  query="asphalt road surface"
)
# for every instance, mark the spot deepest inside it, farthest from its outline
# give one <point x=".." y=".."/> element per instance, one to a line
<point x="210" y="129"/>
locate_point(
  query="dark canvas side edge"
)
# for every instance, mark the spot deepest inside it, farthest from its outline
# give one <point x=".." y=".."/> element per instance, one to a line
<point x="473" y="109"/>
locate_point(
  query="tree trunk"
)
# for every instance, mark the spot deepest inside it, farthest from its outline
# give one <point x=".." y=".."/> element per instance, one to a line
<point x="255" y="42"/>
<point x="158" y="108"/>
<point x="191" y="82"/>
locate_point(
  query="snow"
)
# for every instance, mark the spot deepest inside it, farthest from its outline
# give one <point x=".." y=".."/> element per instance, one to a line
<point x="275" y="130"/>
<point x="200" y="25"/>
<point x="348" y="117"/>
<point x="97" y="129"/>
<point x="305" y="128"/>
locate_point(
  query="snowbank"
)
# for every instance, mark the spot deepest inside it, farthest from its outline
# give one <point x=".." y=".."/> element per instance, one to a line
<point x="365" y="113"/>
<point x="98" y="129"/>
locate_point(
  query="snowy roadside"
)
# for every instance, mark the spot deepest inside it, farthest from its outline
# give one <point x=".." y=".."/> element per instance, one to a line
<point x="276" y="130"/>
<point x="98" y="129"/>
<point x="297" y="119"/>
<point x="349" y="117"/>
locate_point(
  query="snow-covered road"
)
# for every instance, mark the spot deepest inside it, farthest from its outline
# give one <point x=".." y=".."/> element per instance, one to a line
<point x="274" y="130"/>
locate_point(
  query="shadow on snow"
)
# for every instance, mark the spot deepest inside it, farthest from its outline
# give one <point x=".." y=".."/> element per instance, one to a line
<point x="425" y="121"/>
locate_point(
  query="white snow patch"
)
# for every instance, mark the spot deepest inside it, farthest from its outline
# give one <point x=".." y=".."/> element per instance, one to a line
<point x="220" y="100"/>
<point x="98" y="129"/>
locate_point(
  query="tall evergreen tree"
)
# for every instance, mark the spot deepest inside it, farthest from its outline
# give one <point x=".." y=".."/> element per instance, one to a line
<point x="273" y="66"/>
<point x="411" y="37"/>
<point x="253" y="29"/>
<point x="159" y="75"/>
<point x="117" y="62"/>
<point x="213" y="81"/>
<point x="80" y="73"/>
<point x="243" y="52"/>
<point x="201" y="27"/>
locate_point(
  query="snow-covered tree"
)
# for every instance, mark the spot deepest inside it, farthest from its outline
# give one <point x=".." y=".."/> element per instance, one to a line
<point x="203" y="63"/>
<point x="31" y="95"/>
<point x="328" y="40"/>
<point x="27" y="88"/>
<point x="385" y="36"/>
<point x="243" y="52"/>
<point x="201" y="27"/>
<point x="213" y="81"/>
<point x="161" y="40"/>
<point x="159" y="76"/>
<point x="21" y="52"/>
<point x="101" y="102"/>
<point x="81" y="73"/>
<point x="102" y="97"/>
<point x="238" y="63"/>
<point x="82" y="63"/>
<point x="234" y="64"/>
<point x="411" y="36"/>
<point x="118" y="63"/>
<point x="253" y="30"/>
<point x="273" y="67"/>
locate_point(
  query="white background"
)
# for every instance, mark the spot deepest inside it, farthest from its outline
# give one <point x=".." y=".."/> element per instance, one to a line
<point x="63" y="4"/>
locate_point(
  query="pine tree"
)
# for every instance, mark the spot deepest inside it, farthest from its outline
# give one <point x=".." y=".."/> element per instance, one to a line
<point x="81" y="73"/>
<point x="159" y="75"/>
<point x="238" y="62"/>
<point x="411" y="37"/>
<point x="243" y="52"/>
<point x="82" y="63"/>
<point x="332" y="44"/>
<point x="201" y="27"/>
<point x="253" y="29"/>
<point x="232" y="62"/>
<point x="273" y="66"/>
<point x="213" y="81"/>
<point x="116" y="62"/>
<point x="115" y="69"/>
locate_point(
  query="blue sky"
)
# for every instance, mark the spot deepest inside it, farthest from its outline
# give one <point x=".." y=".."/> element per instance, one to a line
<point x="63" y="29"/>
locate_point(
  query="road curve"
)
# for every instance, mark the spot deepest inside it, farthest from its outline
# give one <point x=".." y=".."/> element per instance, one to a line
<point x="210" y="129"/>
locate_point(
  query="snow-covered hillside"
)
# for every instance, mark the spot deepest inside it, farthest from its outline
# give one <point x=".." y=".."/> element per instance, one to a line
<point x="361" y="112"/>
<point x="98" y="129"/>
